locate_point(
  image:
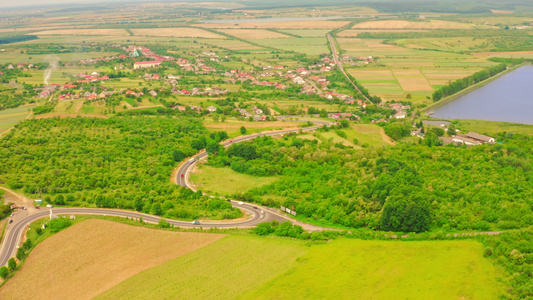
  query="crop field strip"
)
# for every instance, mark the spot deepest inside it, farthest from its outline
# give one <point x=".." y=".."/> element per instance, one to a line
<point x="278" y="25"/>
<point x="403" y="24"/>
<point x="72" y="267"/>
<point x="185" y="32"/>
<point x="222" y="270"/>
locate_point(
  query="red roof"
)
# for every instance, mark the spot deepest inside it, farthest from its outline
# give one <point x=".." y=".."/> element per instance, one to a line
<point x="147" y="62"/>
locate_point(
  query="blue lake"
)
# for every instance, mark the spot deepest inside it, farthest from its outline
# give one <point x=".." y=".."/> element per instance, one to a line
<point x="508" y="98"/>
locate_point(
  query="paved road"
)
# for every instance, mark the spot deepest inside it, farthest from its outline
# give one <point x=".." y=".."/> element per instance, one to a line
<point x="182" y="174"/>
<point x="15" y="230"/>
<point x="339" y="65"/>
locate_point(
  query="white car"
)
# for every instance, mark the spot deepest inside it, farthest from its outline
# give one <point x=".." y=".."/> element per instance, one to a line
<point x="241" y="203"/>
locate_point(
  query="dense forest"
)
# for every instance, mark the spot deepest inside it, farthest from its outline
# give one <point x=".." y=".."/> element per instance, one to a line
<point x="122" y="162"/>
<point x="410" y="188"/>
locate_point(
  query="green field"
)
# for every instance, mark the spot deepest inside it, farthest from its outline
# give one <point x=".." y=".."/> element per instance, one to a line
<point x="225" y="181"/>
<point x="221" y="270"/>
<point x="247" y="267"/>
<point x="308" y="45"/>
<point x="10" y="117"/>
<point x="355" y="269"/>
<point x="492" y="127"/>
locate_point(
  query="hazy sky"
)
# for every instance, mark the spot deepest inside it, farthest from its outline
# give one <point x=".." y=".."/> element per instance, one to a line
<point x="7" y="3"/>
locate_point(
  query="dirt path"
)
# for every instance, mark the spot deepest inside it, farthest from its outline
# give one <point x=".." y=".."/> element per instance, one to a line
<point x="386" y="138"/>
<point x="12" y="197"/>
<point x="78" y="107"/>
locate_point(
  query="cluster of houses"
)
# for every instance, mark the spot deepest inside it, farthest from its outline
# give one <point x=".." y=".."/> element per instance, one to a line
<point x="471" y="139"/>
<point x="342" y="97"/>
<point x="208" y="91"/>
<point x="401" y="109"/>
<point x="136" y="51"/>
<point x="151" y="77"/>
<point x="93" y="77"/>
<point x="344" y="116"/>
<point x="22" y="66"/>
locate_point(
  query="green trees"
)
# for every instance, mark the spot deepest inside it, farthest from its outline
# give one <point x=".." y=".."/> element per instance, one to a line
<point x="12" y="264"/>
<point x="243" y="130"/>
<point x="4" y="272"/>
<point x="406" y="187"/>
<point x="120" y="162"/>
<point x="397" y="130"/>
<point x="463" y="83"/>
<point x="406" y="213"/>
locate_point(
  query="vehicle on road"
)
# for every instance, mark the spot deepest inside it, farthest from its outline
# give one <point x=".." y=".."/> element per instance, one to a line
<point x="192" y="160"/>
<point x="255" y="207"/>
<point x="195" y="222"/>
<point x="49" y="205"/>
<point x="10" y="221"/>
<point x="241" y="203"/>
<point x="182" y="175"/>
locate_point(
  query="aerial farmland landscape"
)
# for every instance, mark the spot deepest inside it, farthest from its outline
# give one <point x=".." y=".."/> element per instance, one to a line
<point x="377" y="149"/>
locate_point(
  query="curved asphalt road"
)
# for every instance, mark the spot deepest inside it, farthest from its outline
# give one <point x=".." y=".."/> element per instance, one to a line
<point x="15" y="231"/>
<point x="184" y="169"/>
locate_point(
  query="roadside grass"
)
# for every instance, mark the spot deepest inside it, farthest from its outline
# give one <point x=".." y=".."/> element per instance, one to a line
<point x="221" y="270"/>
<point x="387" y="270"/>
<point x="225" y="181"/>
<point x="13" y="116"/>
<point x="493" y="127"/>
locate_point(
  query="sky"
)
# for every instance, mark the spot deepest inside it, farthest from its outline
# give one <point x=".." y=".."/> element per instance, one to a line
<point x="7" y="3"/>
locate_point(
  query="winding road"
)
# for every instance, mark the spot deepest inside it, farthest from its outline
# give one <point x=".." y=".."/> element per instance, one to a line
<point x="15" y="231"/>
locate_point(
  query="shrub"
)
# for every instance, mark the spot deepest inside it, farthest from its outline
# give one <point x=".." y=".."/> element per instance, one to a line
<point x="58" y="224"/>
<point x="487" y="252"/>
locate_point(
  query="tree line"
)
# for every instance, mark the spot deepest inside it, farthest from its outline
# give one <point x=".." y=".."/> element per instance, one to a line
<point x="121" y="162"/>
<point x="463" y="83"/>
<point x="404" y="188"/>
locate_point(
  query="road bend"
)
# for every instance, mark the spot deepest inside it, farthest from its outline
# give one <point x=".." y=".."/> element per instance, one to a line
<point x="15" y="231"/>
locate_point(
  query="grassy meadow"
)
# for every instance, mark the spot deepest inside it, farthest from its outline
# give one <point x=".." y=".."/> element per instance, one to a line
<point x="347" y="269"/>
<point x="11" y="117"/>
<point x="225" y="181"/>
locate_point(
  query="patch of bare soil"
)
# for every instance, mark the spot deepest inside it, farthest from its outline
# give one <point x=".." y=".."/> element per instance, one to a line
<point x="93" y="256"/>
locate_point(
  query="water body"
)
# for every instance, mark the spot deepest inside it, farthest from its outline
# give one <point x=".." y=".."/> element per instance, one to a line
<point x="283" y="19"/>
<point x="508" y="99"/>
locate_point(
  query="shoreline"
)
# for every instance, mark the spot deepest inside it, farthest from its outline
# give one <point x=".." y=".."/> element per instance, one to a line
<point x="469" y="89"/>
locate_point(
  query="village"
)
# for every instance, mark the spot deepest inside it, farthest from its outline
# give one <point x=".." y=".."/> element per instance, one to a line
<point x="146" y="66"/>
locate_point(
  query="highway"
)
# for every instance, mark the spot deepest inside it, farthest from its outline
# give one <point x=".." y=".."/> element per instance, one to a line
<point x="339" y="65"/>
<point x="16" y="230"/>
